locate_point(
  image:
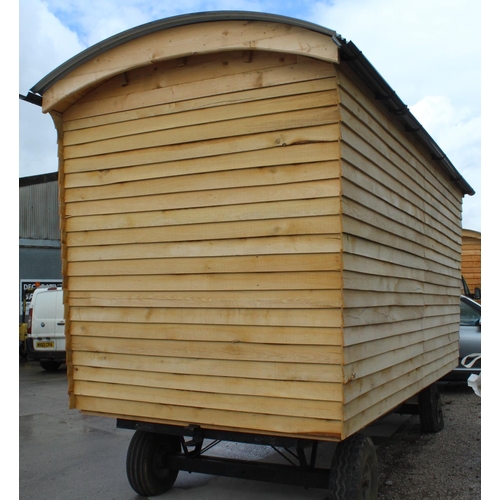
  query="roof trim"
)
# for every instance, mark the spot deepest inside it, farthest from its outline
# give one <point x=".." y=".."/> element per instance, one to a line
<point x="38" y="179"/>
<point x="162" y="24"/>
<point x="348" y="53"/>
<point x="383" y="92"/>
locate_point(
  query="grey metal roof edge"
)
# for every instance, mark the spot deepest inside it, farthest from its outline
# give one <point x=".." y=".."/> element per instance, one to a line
<point x="383" y="92"/>
<point x="38" y="179"/>
<point x="348" y="53"/>
<point x="162" y="24"/>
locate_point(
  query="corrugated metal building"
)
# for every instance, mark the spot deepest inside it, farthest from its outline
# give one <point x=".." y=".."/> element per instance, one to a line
<point x="39" y="236"/>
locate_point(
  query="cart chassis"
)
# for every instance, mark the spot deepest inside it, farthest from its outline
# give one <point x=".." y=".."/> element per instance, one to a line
<point x="302" y="470"/>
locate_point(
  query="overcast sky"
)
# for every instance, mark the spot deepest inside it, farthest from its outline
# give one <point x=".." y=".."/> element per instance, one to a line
<point x="427" y="51"/>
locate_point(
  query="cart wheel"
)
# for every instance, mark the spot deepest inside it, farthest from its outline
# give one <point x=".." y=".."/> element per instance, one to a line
<point x="354" y="470"/>
<point x="430" y="409"/>
<point x="147" y="472"/>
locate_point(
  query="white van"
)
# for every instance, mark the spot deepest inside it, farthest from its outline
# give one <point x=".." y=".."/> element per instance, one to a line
<point x="46" y="341"/>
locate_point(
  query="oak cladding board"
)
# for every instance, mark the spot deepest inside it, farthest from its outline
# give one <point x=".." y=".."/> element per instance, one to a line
<point x="209" y="149"/>
<point x="204" y="132"/>
<point x="240" y="211"/>
<point x="415" y="355"/>
<point x="242" y="111"/>
<point x="306" y="317"/>
<point x="213" y="385"/>
<point x="245" y="403"/>
<point x="210" y="198"/>
<point x="217" y="231"/>
<point x="330" y="429"/>
<point x="242" y="178"/>
<point x="212" y="350"/>
<point x="312" y="152"/>
<point x="232" y="280"/>
<point x="274" y="245"/>
<point x="214" y="104"/>
<point x="210" y="265"/>
<point x="298" y="372"/>
<point x="274" y="299"/>
<point x="220" y="333"/>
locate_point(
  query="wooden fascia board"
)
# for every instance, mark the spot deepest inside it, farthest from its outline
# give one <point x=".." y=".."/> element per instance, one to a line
<point x="183" y="41"/>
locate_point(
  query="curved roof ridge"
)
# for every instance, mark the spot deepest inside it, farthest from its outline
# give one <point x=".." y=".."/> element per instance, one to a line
<point x="162" y="24"/>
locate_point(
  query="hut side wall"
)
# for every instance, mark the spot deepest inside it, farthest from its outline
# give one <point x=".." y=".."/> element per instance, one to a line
<point x="202" y="240"/>
<point x="401" y="262"/>
<point x="471" y="258"/>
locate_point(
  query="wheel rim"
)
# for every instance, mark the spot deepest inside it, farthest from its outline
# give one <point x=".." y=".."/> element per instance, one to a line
<point x="161" y="469"/>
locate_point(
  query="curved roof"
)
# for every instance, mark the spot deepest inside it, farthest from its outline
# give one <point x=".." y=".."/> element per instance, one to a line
<point x="469" y="233"/>
<point x="349" y="54"/>
<point x="163" y="24"/>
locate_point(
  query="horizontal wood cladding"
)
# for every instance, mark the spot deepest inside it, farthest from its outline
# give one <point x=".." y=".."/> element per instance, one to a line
<point x="401" y="244"/>
<point x="376" y="405"/>
<point x="215" y="316"/>
<point x="110" y="116"/>
<point x="218" y="333"/>
<point x="261" y="423"/>
<point x="211" y="384"/>
<point x="219" y="231"/>
<point x="315" y="299"/>
<point x="274" y="245"/>
<point x="259" y="370"/>
<point x="202" y="229"/>
<point x="471" y="258"/>
<point x="212" y="265"/>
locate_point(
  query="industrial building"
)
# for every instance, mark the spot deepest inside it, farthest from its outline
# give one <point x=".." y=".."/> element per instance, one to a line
<point x="39" y="235"/>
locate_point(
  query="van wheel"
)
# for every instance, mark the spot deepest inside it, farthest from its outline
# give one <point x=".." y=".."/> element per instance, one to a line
<point x="147" y="469"/>
<point x="50" y="366"/>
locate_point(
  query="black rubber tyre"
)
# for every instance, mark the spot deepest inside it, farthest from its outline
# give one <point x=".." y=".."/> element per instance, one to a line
<point x="147" y="472"/>
<point x="430" y="409"/>
<point x="354" y="470"/>
<point x="50" y="366"/>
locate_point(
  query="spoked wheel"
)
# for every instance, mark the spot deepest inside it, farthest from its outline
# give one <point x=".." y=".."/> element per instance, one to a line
<point x="430" y="409"/>
<point x="147" y="471"/>
<point x="354" y="470"/>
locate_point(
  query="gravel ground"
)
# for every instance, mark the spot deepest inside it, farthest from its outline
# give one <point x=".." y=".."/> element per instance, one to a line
<point x="446" y="465"/>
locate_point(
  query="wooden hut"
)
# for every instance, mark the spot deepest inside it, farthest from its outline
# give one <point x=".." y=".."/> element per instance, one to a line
<point x="471" y="259"/>
<point x="257" y="235"/>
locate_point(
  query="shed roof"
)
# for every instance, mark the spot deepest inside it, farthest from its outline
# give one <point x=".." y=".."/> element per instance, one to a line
<point x="469" y="233"/>
<point x="349" y="54"/>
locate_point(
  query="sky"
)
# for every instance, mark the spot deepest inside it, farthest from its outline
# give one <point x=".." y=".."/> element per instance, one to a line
<point x="428" y="51"/>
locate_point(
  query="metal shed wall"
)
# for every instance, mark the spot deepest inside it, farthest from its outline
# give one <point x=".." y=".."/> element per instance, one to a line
<point x="39" y="208"/>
